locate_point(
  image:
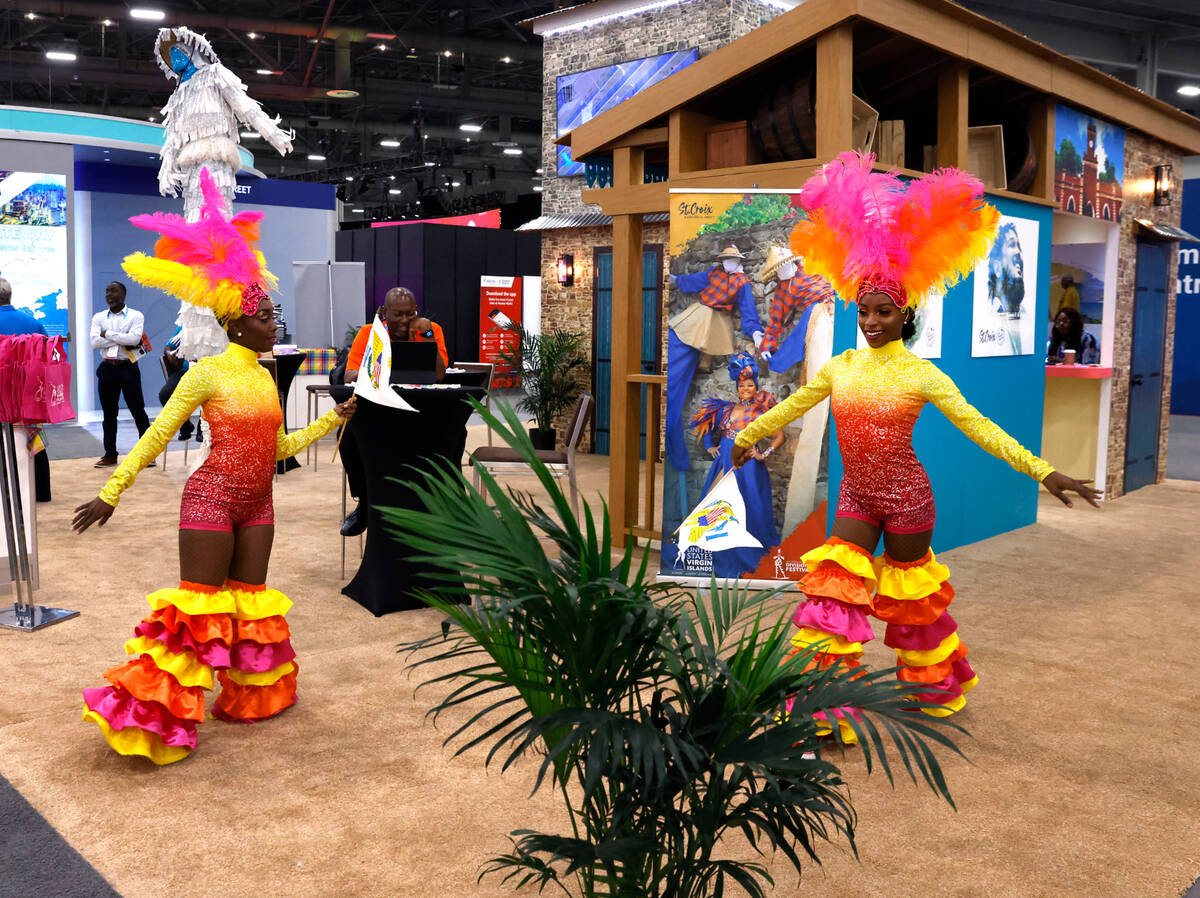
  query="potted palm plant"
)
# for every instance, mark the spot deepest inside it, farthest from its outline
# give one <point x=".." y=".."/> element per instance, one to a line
<point x="658" y="716"/>
<point x="549" y="364"/>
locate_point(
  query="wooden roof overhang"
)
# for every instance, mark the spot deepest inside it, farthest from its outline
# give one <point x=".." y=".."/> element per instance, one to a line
<point x="951" y="40"/>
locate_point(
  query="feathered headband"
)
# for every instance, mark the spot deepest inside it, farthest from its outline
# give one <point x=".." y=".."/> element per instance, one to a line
<point x="213" y="262"/>
<point x="870" y="231"/>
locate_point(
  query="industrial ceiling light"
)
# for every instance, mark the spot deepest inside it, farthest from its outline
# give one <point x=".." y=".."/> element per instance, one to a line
<point x="456" y="183"/>
<point x="470" y="128"/>
<point x="513" y="151"/>
<point x="146" y="14"/>
<point x="315" y="157"/>
<point x="539" y="171"/>
<point x="31" y="16"/>
<point x="389" y="142"/>
<point x="447" y="53"/>
<point x="537" y="188"/>
<point x="381" y="46"/>
<point x="358" y="210"/>
<point x="252" y="35"/>
<point x="506" y="59"/>
<point x="395" y="192"/>
<point x="349" y="177"/>
<point x="264" y="71"/>
<point x="1189" y="90"/>
<point x="107" y="23"/>
<point x="60" y="56"/>
<point x="1163" y="185"/>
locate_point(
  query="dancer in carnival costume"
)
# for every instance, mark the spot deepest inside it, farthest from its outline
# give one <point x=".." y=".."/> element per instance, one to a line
<point x="717" y="422"/>
<point x="222" y="620"/>
<point x="888" y="244"/>
<point x="201" y="131"/>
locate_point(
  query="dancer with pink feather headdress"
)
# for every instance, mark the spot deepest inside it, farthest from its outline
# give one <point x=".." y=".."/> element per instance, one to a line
<point x="221" y="623"/>
<point x="886" y="244"/>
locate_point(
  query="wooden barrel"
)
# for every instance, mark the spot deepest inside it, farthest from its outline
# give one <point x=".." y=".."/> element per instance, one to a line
<point x="785" y="122"/>
<point x="1025" y="171"/>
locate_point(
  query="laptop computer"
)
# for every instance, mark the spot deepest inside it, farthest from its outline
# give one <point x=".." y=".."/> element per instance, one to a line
<point x="414" y="363"/>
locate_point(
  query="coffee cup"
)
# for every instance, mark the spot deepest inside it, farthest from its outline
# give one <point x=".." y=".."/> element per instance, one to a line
<point x="1069" y="357"/>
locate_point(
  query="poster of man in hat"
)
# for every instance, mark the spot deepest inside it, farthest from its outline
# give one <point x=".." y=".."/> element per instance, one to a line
<point x="717" y="237"/>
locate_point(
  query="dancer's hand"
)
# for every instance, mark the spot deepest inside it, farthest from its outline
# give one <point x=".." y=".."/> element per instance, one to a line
<point x="741" y="455"/>
<point x="346" y="409"/>
<point x="713" y="451"/>
<point x="1059" y="484"/>
<point x="95" y="512"/>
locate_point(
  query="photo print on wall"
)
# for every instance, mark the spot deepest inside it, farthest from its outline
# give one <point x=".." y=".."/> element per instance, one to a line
<point x="1089" y="165"/>
<point x="1005" y="293"/>
<point x="747" y="326"/>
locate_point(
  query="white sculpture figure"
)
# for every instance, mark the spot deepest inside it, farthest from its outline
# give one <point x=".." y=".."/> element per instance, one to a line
<point x="201" y="120"/>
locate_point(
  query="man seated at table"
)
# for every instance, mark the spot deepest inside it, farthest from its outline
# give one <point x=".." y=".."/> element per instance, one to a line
<point x="399" y="314"/>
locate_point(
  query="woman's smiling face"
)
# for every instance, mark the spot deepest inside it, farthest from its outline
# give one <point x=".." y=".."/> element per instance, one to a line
<point x="879" y="319"/>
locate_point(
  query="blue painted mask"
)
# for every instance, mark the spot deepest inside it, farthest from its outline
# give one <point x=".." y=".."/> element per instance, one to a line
<point x="182" y="64"/>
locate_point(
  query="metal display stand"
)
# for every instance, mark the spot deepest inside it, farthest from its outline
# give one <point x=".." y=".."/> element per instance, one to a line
<point x="23" y="615"/>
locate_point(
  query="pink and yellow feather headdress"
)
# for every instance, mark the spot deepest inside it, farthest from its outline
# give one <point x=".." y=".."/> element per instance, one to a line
<point x="870" y="231"/>
<point x="213" y="262"/>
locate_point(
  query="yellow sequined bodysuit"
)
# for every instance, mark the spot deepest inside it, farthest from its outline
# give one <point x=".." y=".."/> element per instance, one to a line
<point x="876" y="397"/>
<point x="241" y="406"/>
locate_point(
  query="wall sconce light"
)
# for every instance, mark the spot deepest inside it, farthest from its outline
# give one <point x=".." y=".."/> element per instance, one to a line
<point x="566" y="270"/>
<point x="1163" y="185"/>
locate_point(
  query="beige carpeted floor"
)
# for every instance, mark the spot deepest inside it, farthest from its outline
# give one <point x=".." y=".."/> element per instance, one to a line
<point x="1084" y="773"/>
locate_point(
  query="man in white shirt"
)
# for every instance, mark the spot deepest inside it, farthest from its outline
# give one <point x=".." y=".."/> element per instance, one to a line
<point x="117" y="333"/>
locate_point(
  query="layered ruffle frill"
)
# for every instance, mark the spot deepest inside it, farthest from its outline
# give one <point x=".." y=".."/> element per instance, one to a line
<point x="194" y="635"/>
<point x="912" y="598"/>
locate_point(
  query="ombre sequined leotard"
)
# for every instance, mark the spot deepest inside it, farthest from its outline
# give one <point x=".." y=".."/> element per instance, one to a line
<point x="241" y="406"/>
<point x="876" y="397"/>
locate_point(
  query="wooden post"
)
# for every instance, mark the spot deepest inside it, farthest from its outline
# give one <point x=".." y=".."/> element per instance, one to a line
<point x="686" y="149"/>
<point x="835" y="77"/>
<point x="626" y="407"/>
<point x="953" y="90"/>
<point x="1041" y="129"/>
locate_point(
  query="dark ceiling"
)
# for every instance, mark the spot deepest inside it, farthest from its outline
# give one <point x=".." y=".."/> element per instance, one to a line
<point x="420" y="69"/>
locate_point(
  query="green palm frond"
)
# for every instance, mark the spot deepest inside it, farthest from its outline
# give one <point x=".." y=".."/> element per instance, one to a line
<point x="660" y="716"/>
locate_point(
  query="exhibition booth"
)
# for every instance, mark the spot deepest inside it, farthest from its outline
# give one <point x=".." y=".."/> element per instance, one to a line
<point x="1079" y="165"/>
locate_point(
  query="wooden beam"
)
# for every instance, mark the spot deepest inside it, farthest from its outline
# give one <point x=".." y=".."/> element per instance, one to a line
<point x="1041" y="130"/>
<point x="953" y="92"/>
<point x="686" y="148"/>
<point x="625" y="412"/>
<point x="646" y="137"/>
<point x="835" y="77"/>
<point x="639" y="200"/>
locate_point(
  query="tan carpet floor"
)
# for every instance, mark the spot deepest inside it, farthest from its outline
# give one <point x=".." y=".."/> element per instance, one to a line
<point x="1083" y="780"/>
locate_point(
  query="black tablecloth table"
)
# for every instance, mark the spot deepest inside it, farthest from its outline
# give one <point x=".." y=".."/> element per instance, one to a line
<point x="389" y="441"/>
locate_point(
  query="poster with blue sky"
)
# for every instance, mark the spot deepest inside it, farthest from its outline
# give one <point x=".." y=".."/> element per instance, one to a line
<point x="33" y="245"/>
<point x="584" y="95"/>
<point x="1089" y="165"/>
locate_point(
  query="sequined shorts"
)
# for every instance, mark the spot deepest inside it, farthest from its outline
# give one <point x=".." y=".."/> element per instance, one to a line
<point x="205" y="508"/>
<point x="914" y="517"/>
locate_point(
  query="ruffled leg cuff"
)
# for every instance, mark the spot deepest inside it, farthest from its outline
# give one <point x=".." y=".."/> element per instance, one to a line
<point x="156" y="699"/>
<point x="261" y="679"/>
<point x="913" y="598"/>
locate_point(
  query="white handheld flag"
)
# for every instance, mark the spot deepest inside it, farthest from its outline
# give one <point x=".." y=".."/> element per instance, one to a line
<point x="375" y="372"/>
<point x="719" y="521"/>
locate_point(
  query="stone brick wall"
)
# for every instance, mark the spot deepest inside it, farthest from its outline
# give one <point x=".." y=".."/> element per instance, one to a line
<point x="1141" y="155"/>
<point x="570" y="308"/>
<point x="707" y="24"/>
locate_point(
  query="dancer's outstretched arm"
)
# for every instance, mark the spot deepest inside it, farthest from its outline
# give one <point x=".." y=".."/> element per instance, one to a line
<point x="289" y="444"/>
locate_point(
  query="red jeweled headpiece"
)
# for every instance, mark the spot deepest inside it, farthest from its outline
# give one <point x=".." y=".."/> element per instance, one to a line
<point x="251" y="297"/>
<point x="880" y="283"/>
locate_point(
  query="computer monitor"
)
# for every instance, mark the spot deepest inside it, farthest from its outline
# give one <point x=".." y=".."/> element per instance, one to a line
<point x="413" y="363"/>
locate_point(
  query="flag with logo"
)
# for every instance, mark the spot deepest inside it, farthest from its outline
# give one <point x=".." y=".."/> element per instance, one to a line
<point x="719" y="521"/>
<point x="375" y="373"/>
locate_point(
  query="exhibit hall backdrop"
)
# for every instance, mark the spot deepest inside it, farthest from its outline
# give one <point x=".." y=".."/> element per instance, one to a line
<point x="1185" y="370"/>
<point x="37" y="243"/>
<point x="977" y="495"/>
<point x="299" y="223"/>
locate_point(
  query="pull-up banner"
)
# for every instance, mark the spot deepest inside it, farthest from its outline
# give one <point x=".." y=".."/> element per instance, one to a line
<point x="747" y="327"/>
<point x="499" y="306"/>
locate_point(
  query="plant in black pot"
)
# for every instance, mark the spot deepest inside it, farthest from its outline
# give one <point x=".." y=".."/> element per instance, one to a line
<point x="549" y="365"/>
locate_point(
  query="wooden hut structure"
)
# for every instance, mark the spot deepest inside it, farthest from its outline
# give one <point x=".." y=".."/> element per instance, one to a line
<point x="929" y="63"/>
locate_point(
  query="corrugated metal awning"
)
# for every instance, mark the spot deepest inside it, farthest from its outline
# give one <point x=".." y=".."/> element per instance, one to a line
<point x="1164" y="231"/>
<point x="582" y="220"/>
